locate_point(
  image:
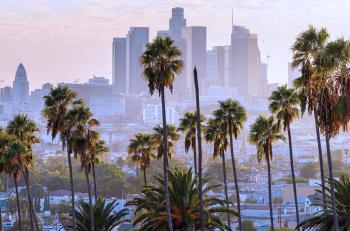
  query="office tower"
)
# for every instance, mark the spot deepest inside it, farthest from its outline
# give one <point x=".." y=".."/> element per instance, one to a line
<point x="244" y="61"/>
<point x="163" y="33"/>
<point x="37" y="98"/>
<point x="212" y="65"/>
<point x="119" y="78"/>
<point x="196" y="43"/>
<point x="20" y="87"/>
<point x="293" y="73"/>
<point x="223" y="64"/>
<point x="6" y="94"/>
<point x="176" y="23"/>
<point x="136" y="40"/>
<point x="262" y="80"/>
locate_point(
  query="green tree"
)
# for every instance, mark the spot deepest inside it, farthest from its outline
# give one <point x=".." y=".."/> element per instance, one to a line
<point x="183" y="190"/>
<point x="188" y="126"/>
<point x="247" y="225"/>
<point x="141" y="150"/>
<point x="324" y="220"/>
<point x="284" y="105"/>
<point x="263" y="133"/>
<point x="216" y="133"/>
<point x="308" y="171"/>
<point x="305" y="50"/>
<point x="105" y="218"/>
<point x="233" y="115"/>
<point x="55" y="111"/>
<point x="161" y="64"/>
<point x="24" y="130"/>
<point x="12" y="152"/>
<point x="172" y="138"/>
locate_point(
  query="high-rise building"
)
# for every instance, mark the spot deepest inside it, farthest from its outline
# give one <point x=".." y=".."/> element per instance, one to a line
<point x="293" y="73"/>
<point x="136" y="40"/>
<point x="176" y="23"/>
<point x="6" y="94"/>
<point x="119" y="78"/>
<point x="262" y="80"/>
<point x="244" y="61"/>
<point x="37" y="98"/>
<point x="196" y="49"/>
<point x="20" y="89"/>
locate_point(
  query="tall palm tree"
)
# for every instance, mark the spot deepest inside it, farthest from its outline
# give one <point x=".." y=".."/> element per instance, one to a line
<point x="233" y="115"/>
<point x="188" y="125"/>
<point x="105" y="218"/>
<point x="216" y="133"/>
<point x="263" y="133"/>
<point x="55" y="111"/>
<point x="184" y="201"/>
<point x="141" y="150"/>
<point x="12" y="152"/>
<point x="161" y="63"/>
<point x="305" y="49"/>
<point x="24" y="130"/>
<point x="324" y="219"/>
<point x="95" y="154"/>
<point x="172" y="138"/>
<point x="81" y="141"/>
<point x="284" y="105"/>
<point x="332" y="79"/>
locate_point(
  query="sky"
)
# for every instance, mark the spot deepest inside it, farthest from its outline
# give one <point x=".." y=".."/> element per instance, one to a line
<point x="71" y="40"/>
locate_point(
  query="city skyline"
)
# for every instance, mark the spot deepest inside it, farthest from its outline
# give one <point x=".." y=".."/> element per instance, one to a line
<point x="32" y="32"/>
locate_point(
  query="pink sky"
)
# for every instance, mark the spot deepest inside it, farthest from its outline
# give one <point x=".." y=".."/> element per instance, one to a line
<point x="65" y="40"/>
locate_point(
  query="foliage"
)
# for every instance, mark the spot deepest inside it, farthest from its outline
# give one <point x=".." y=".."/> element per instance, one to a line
<point x="324" y="219"/>
<point x="247" y="225"/>
<point x="184" y="203"/>
<point x="173" y="137"/>
<point x="308" y="171"/>
<point x="105" y="216"/>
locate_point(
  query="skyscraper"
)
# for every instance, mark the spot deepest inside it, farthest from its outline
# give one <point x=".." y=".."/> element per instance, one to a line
<point x="244" y="61"/>
<point x="136" y="40"/>
<point x="20" y="88"/>
<point x="176" y="23"/>
<point x="293" y="73"/>
<point x="119" y="79"/>
<point x="196" y="48"/>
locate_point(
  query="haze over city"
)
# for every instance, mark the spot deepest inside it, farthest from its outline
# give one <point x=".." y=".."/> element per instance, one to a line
<point x="69" y="40"/>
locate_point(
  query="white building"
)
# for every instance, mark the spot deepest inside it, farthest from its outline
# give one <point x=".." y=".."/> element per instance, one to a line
<point x="119" y="79"/>
<point x="152" y="114"/>
<point x="136" y="41"/>
<point x="196" y="49"/>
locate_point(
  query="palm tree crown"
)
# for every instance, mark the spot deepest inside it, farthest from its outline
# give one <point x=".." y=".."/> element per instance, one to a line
<point x="173" y="137"/>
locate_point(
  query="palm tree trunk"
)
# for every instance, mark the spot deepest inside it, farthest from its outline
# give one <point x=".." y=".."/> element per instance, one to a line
<point x="92" y="219"/>
<point x="331" y="182"/>
<point x="235" y="178"/>
<point x="18" y="206"/>
<point x="165" y="163"/>
<point x="194" y="149"/>
<point x="30" y="201"/>
<point x="94" y="178"/>
<point x="225" y="185"/>
<point x="320" y="156"/>
<point x="270" y="189"/>
<point x="199" y="140"/>
<point x="72" y="190"/>
<point x="293" y="174"/>
<point x="144" y="176"/>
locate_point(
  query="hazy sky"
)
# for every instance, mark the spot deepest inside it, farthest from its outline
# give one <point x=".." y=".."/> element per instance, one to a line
<point x="65" y="40"/>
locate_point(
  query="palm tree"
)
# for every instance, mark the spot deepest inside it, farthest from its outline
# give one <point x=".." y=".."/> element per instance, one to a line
<point x="105" y="218"/>
<point x="332" y="79"/>
<point x="172" y="137"/>
<point x="216" y="133"/>
<point x="284" y="105"/>
<point x="81" y="141"/>
<point x="95" y="153"/>
<point x="56" y="108"/>
<point x="142" y="150"/>
<point x="324" y="219"/>
<point x="23" y="129"/>
<point x="305" y="49"/>
<point x="184" y="202"/>
<point x="233" y="116"/>
<point x="263" y="133"/>
<point x="12" y="151"/>
<point x="188" y="125"/>
<point x="161" y="64"/>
